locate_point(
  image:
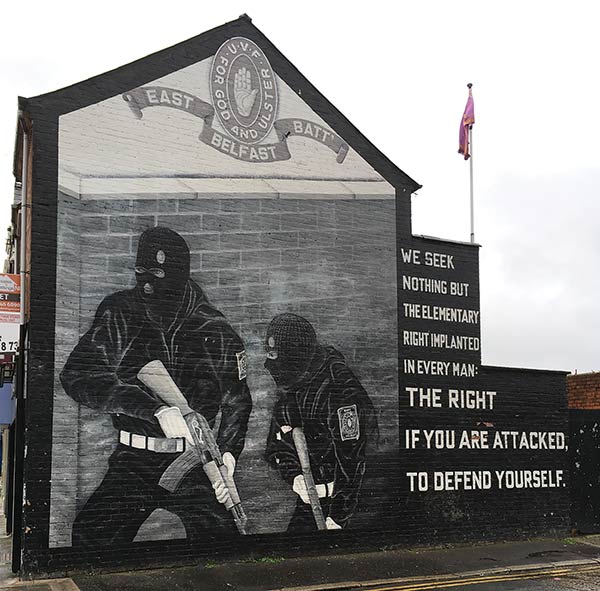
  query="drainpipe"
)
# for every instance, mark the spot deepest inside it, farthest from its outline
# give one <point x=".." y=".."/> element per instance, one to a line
<point x="24" y="189"/>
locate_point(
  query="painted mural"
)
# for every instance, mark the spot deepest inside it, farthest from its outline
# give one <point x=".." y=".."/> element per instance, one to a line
<point x="226" y="353"/>
<point x="249" y="340"/>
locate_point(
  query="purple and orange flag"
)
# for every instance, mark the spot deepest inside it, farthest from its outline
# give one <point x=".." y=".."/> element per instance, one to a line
<point x="467" y="120"/>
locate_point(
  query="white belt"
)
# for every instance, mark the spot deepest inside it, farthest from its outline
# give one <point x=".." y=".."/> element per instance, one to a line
<point x="155" y="444"/>
<point x="324" y="490"/>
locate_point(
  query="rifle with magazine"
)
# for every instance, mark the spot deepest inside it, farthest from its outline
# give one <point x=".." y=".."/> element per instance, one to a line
<point x="204" y="450"/>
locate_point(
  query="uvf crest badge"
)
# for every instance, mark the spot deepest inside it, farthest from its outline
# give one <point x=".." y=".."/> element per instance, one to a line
<point x="349" y="424"/>
<point x="244" y="90"/>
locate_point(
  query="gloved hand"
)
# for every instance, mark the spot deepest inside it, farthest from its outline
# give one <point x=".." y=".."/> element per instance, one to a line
<point x="229" y="461"/>
<point x="331" y="524"/>
<point x="173" y="424"/>
<point x="299" y="487"/>
<point x="221" y="491"/>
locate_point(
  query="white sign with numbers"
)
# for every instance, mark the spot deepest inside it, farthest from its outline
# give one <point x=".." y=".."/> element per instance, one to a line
<point x="10" y="307"/>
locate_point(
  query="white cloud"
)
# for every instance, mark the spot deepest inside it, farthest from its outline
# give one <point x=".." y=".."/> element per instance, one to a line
<point x="398" y="71"/>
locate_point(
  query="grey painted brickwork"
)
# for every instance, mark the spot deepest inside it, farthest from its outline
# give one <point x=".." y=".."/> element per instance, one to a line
<point x="331" y="261"/>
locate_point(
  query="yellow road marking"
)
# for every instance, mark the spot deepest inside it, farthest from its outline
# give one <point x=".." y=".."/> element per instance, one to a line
<point x="490" y="579"/>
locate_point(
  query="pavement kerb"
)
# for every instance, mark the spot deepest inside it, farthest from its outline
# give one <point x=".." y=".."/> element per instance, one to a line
<point x="54" y="584"/>
<point x="532" y="568"/>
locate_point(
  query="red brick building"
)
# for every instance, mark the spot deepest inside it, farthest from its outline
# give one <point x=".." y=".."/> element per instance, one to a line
<point x="584" y="391"/>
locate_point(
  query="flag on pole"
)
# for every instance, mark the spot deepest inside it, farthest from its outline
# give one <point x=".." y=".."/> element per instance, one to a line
<point x="467" y="120"/>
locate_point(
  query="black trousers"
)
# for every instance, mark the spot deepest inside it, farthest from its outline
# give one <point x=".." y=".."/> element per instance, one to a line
<point x="130" y="492"/>
<point x="303" y="518"/>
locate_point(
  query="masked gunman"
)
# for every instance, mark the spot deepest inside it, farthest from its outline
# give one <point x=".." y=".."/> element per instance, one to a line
<point x="165" y="318"/>
<point x="318" y="393"/>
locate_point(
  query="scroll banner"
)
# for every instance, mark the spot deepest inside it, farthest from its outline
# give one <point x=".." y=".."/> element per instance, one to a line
<point x="159" y="96"/>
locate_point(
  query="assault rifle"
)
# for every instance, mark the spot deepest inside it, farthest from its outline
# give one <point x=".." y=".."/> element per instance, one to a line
<point x="205" y="450"/>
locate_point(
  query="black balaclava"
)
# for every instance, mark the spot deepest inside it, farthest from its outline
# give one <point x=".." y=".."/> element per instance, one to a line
<point x="162" y="268"/>
<point x="290" y="344"/>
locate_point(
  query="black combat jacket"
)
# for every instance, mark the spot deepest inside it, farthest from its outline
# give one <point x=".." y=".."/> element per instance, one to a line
<point x="201" y="351"/>
<point x="336" y="414"/>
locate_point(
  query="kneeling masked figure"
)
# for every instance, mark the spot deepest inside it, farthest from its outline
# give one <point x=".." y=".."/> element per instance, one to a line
<point x="318" y="393"/>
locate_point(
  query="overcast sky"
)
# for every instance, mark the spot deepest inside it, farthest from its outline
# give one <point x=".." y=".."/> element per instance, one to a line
<point x="398" y="71"/>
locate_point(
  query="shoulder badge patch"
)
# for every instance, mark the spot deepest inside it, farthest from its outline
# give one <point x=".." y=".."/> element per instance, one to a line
<point x="242" y="365"/>
<point x="349" y="425"/>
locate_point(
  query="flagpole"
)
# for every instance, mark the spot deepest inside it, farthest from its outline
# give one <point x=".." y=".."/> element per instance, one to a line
<point x="469" y="86"/>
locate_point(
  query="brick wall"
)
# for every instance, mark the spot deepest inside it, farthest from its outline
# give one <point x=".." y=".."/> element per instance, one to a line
<point x="526" y="401"/>
<point x="331" y="261"/>
<point x="334" y="262"/>
<point x="319" y="253"/>
<point x="584" y="425"/>
<point x="584" y="391"/>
